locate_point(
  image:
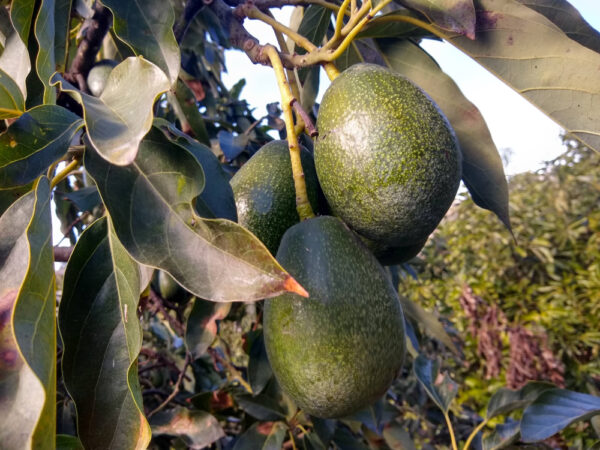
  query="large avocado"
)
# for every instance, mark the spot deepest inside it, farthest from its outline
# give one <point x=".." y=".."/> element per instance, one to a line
<point x="340" y="349"/>
<point x="264" y="192"/>
<point x="386" y="157"/>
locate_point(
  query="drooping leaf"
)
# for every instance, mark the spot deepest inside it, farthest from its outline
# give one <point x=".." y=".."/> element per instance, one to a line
<point x="147" y="27"/>
<point x="117" y="121"/>
<point x="482" y="166"/>
<point x="453" y="15"/>
<point x="62" y="16"/>
<point x="398" y="438"/>
<point x="45" y="63"/>
<point x="259" y="369"/>
<point x="197" y="429"/>
<point x="27" y="322"/>
<point x="86" y="198"/>
<point x="102" y="338"/>
<point x="190" y="111"/>
<point x="150" y="202"/>
<point x="34" y="141"/>
<point x="201" y="326"/>
<point x="503" y="435"/>
<point x="441" y="393"/>
<point x="554" y="410"/>
<point x="507" y="400"/>
<point x="14" y="68"/>
<point x="524" y="48"/>
<point x="262" y="436"/>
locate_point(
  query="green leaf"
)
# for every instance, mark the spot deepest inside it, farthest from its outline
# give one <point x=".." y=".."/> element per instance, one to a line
<point x="343" y="438"/>
<point x="397" y="438"/>
<point x="453" y="15"/>
<point x="117" y="121"/>
<point x="147" y="27"/>
<point x="150" y="202"/>
<point x="567" y="18"/>
<point x="27" y="322"/>
<point x="261" y="407"/>
<point x="45" y="64"/>
<point x="14" y="68"/>
<point x="503" y="435"/>
<point x="10" y="195"/>
<point x="62" y="18"/>
<point x="197" y="429"/>
<point x="507" y="400"/>
<point x="441" y="393"/>
<point x="21" y="13"/>
<point x="66" y="442"/>
<point x="383" y="27"/>
<point x="259" y="369"/>
<point x="524" y="49"/>
<point x="189" y="111"/>
<point x="102" y="338"/>
<point x="262" y="436"/>
<point x="554" y="410"/>
<point x="85" y="199"/>
<point x="482" y="166"/>
<point x="34" y="141"/>
<point x="201" y="326"/>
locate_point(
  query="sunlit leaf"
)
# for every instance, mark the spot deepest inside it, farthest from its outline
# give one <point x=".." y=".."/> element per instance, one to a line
<point x="197" y="429"/>
<point x="14" y="68"/>
<point x="27" y="322"/>
<point x="147" y="27"/>
<point x="201" y="326"/>
<point x="150" y="202"/>
<point x="102" y="338"/>
<point x="452" y="15"/>
<point x="507" y="400"/>
<point x="117" y="121"/>
<point x="441" y="393"/>
<point x="45" y="63"/>
<point x="34" y="141"/>
<point x="482" y="166"/>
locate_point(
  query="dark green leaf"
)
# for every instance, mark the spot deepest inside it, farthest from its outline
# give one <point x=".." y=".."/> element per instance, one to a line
<point x="21" y="13"/>
<point x="62" y="18"/>
<point x="9" y="196"/>
<point x="452" y="15"/>
<point x="343" y="438"/>
<point x="259" y="369"/>
<point x="262" y="436"/>
<point x="150" y="205"/>
<point x="383" y="27"/>
<point x="102" y="338"/>
<point x="504" y="434"/>
<point x="197" y="429"/>
<point x="14" y="68"/>
<point x="441" y="393"/>
<point x="507" y="400"/>
<point x="201" y="326"/>
<point x="554" y="410"/>
<point x="482" y="166"/>
<point x="315" y="21"/>
<point x="189" y="111"/>
<point x="45" y="62"/>
<point x="66" y="442"/>
<point x="260" y="407"/>
<point x="117" y="121"/>
<point x="27" y="322"/>
<point x="34" y="141"/>
<point x="524" y="49"/>
<point x="369" y="417"/>
<point x="398" y="438"/>
<point x="325" y="429"/>
<point x="86" y="199"/>
<point x="148" y="28"/>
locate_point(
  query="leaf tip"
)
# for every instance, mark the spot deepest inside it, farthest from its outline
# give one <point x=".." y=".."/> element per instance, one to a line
<point x="292" y="285"/>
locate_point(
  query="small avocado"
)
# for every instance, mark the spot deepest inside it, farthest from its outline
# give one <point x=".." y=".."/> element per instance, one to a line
<point x="264" y="192"/>
<point x="390" y="256"/>
<point x="98" y="75"/>
<point x="339" y="350"/>
<point x="387" y="159"/>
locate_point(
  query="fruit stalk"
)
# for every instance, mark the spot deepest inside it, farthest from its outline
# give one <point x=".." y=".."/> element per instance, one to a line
<point x="302" y="204"/>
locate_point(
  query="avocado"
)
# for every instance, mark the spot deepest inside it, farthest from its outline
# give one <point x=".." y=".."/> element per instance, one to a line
<point x="339" y="350"/>
<point x="390" y="256"/>
<point x="264" y="192"/>
<point x="98" y="75"/>
<point x="387" y="159"/>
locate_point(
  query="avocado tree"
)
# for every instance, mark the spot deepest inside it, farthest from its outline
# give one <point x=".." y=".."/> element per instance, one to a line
<point x="115" y="116"/>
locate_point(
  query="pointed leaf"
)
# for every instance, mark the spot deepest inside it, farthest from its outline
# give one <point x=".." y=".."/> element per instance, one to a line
<point x="45" y="64"/>
<point x="201" y="326"/>
<point x="117" y="121"/>
<point x="441" y="393"/>
<point x="147" y="27"/>
<point x="554" y="410"/>
<point x="85" y="199"/>
<point x="62" y="19"/>
<point x="482" y="166"/>
<point x="150" y="205"/>
<point x="197" y="429"/>
<point x="102" y="338"/>
<point x="507" y="400"/>
<point x="262" y="436"/>
<point x="503" y="435"/>
<point x="34" y="141"/>
<point x="538" y="60"/>
<point x="452" y="15"/>
<point x="27" y="322"/>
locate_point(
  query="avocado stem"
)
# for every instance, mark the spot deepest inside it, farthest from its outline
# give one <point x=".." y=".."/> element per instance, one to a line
<point x="302" y="203"/>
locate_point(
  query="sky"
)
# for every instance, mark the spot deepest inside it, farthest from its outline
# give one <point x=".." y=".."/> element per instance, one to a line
<point x="517" y="127"/>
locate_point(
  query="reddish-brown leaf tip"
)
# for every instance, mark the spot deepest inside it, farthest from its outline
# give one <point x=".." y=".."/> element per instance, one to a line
<point x="292" y="285"/>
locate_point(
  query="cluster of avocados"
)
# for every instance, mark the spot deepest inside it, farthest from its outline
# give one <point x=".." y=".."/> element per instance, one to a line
<point x="389" y="166"/>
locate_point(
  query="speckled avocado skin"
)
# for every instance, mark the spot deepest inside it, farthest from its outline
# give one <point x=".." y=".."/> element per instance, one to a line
<point x="340" y="349"/>
<point x="386" y="157"/>
<point x="264" y="192"/>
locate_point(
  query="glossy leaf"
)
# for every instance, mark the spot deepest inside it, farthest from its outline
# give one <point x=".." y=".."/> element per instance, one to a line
<point x="27" y="322"/>
<point x="262" y="436"/>
<point x="441" y="393"/>
<point x="507" y="400"/>
<point x="150" y="205"/>
<point x="483" y="172"/>
<point x="147" y="27"/>
<point x="34" y="141"/>
<point x="14" y="68"/>
<point x="62" y="19"/>
<point x="503" y="435"/>
<point x="197" y="429"/>
<point x="117" y="121"/>
<point x="524" y="49"/>
<point x="45" y="63"/>
<point x="102" y="338"/>
<point x="201" y="326"/>
<point x="452" y="15"/>
<point x="554" y="410"/>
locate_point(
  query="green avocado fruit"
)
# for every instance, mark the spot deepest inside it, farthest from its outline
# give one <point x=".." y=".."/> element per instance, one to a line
<point x="264" y="192"/>
<point x="387" y="159"/>
<point x="339" y="350"/>
<point x="98" y="75"/>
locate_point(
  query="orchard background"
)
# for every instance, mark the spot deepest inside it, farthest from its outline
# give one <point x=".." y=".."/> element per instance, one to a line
<point x="111" y="352"/>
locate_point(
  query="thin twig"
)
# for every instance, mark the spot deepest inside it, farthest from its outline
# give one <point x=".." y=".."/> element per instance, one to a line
<point x="175" y="388"/>
<point x="310" y="127"/>
<point x="62" y="254"/>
